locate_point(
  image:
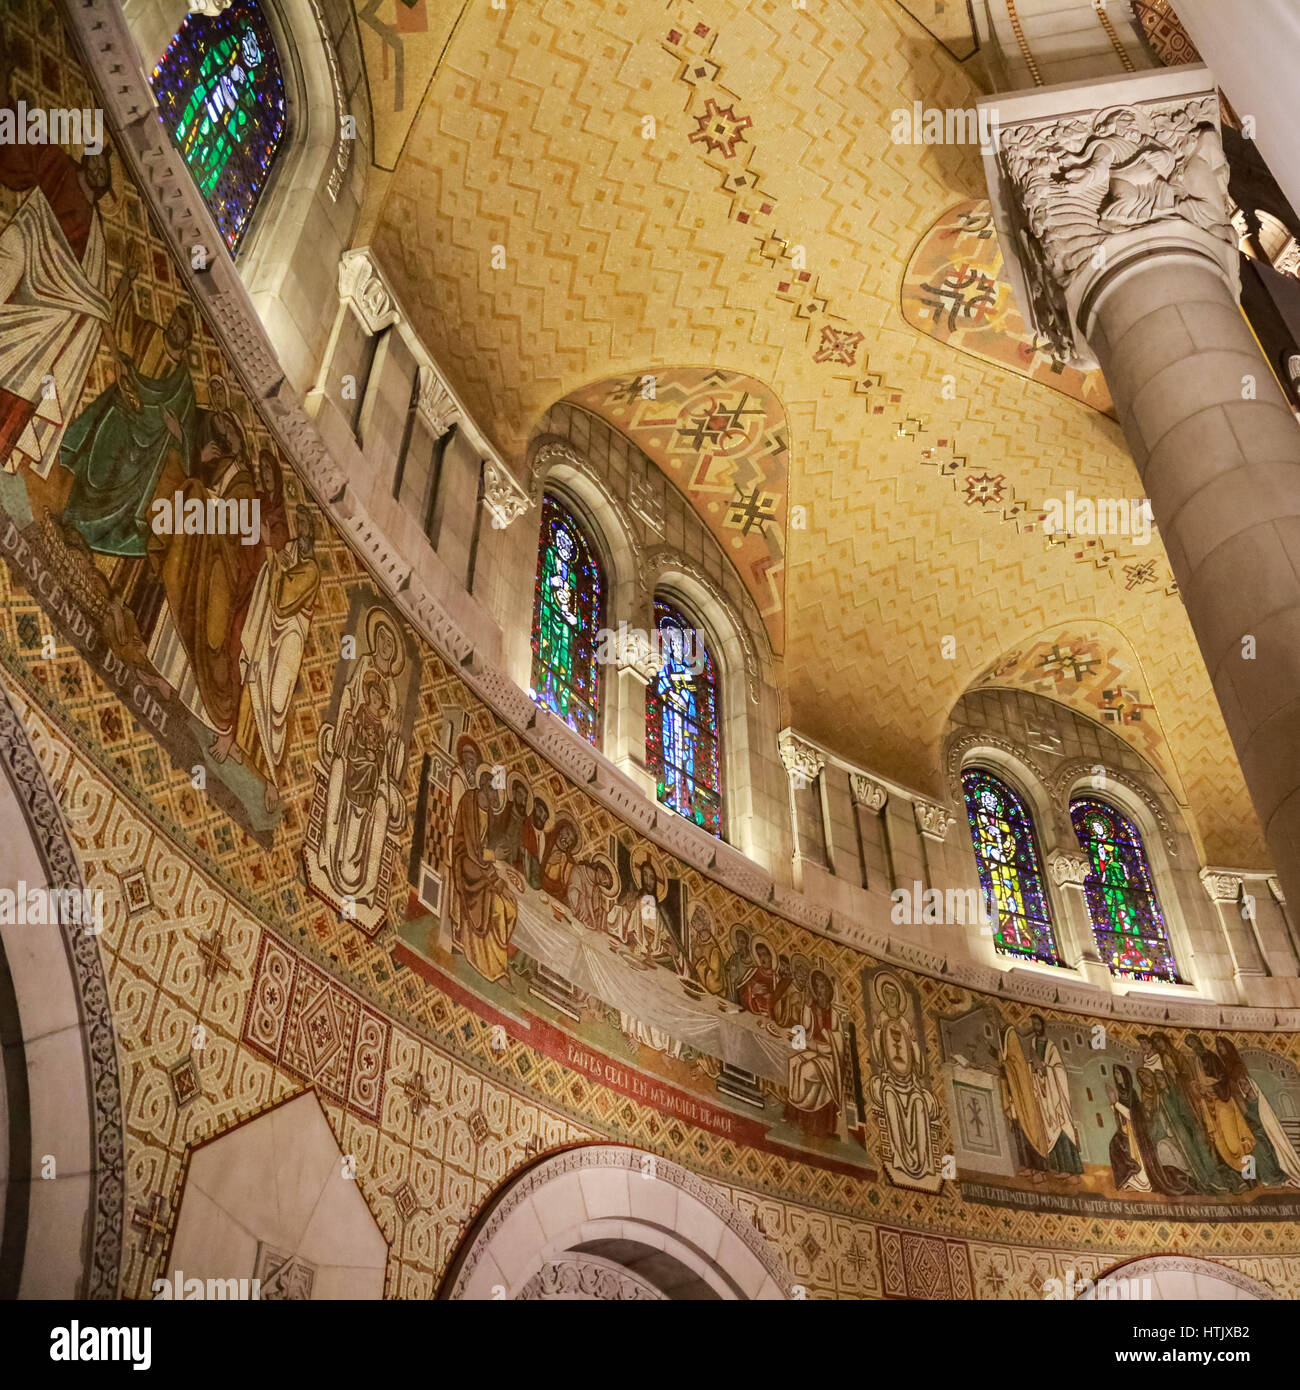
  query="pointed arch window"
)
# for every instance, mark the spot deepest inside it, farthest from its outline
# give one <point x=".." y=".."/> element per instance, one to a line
<point x="220" y="93"/>
<point x="1126" y="917"/>
<point x="566" y="618"/>
<point x="681" y="722"/>
<point x="1010" y="870"/>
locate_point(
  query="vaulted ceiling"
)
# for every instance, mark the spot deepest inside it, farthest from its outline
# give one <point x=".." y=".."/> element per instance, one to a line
<point x="586" y="192"/>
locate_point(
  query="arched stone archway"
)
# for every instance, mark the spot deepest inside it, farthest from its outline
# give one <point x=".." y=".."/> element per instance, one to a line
<point x="606" y="1222"/>
<point x="1178" y="1277"/>
<point x="62" y="1179"/>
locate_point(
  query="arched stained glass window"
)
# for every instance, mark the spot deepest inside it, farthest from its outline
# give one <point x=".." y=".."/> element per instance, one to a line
<point x="566" y="617"/>
<point x="220" y="93"/>
<point x="1126" y="917"/>
<point x="681" y="722"/>
<point x="1010" y="873"/>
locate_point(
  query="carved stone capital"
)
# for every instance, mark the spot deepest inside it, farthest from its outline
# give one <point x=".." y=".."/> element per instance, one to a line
<point x="634" y="654"/>
<point x="867" y="793"/>
<point x="1082" y="195"/>
<point x="933" y="821"/>
<point x="363" y="287"/>
<point x="1275" y="887"/>
<point x="502" y="496"/>
<point x="435" y="403"/>
<point x="1221" y="885"/>
<point x="1068" y="866"/>
<point x="802" y="761"/>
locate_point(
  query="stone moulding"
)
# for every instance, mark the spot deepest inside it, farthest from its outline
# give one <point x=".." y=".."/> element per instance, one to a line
<point x="588" y="1156"/>
<point x="109" y="54"/>
<point x="108" y="1179"/>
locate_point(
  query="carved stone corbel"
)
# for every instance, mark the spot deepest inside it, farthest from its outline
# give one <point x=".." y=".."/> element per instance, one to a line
<point x="502" y="496"/>
<point x="435" y="404"/>
<point x="933" y="821"/>
<point x="634" y="654"/>
<point x="1221" y="885"/>
<point x="1068" y="866"/>
<point x="363" y="288"/>
<point x="868" y="794"/>
<point x="803" y="762"/>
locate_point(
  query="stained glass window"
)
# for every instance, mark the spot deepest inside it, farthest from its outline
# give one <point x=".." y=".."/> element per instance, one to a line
<point x="220" y="93"/>
<point x="566" y="618"/>
<point x="1009" y="869"/>
<point x="1126" y="918"/>
<point x="681" y="722"/>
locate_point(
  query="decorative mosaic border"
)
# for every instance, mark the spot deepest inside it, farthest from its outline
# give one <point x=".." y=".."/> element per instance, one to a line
<point x="41" y="811"/>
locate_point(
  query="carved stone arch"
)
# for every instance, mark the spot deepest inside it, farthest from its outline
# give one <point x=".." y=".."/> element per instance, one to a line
<point x="1077" y="775"/>
<point x="555" y="464"/>
<point x="1029" y="777"/>
<point x="667" y="568"/>
<point x="612" y="1221"/>
<point x="62" y="1234"/>
<point x="1175" y="1277"/>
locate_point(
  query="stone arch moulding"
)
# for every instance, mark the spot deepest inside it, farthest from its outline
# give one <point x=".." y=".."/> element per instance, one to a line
<point x="66" y="1025"/>
<point x="1179" y="1277"/>
<point x="664" y="566"/>
<point x="556" y="463"/>
<point x="1077" y="776"/>
<point x="595" y="1201"/>
<point x="1025" y="773"/>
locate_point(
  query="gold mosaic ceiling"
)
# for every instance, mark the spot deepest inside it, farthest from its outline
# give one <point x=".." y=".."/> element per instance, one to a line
<point x="588" y="191"/>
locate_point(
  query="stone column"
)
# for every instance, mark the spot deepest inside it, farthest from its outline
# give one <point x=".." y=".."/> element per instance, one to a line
<point x="1112" y="200"/>
<point x="1227" y="891"/>
<point x="803" y="764"/>
<point x="869" y="799"/>
<point x="627" y="683"/>
<point x="1069" y="869"/>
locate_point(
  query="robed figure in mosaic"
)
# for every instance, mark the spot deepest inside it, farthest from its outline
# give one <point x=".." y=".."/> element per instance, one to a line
<point x="905" y="1107"/>
<point x="1038" y="1094"/>
<point x="54" y="305"/>
<point x="118" y="445"/>
<point x="362" y="760"/>
<point x="484" y="907"/>
<point x="272" y="644"/>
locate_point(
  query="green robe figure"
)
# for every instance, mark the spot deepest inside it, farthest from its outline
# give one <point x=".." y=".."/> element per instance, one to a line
<point x="115" y="449"/>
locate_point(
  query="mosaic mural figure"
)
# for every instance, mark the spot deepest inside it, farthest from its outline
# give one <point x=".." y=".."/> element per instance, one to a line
<point x="359" y="807"/>
<point x="53" y="282"/>
<point x="816" y="1071"/>
<point x="486" y="908"/>
<point x="271" y="648"/>
<point x="905" y="1109"/>
<point x="117" y="446"/>
<point x="1038" y="1102"/>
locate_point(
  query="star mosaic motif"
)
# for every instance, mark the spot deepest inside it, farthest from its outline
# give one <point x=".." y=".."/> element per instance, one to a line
<point x="838" y="345"/>
<point x="748" y="510"/>
<point x="720" y="129"/>
<point x="983" y="489"/>
<point x="1071" y="663"/>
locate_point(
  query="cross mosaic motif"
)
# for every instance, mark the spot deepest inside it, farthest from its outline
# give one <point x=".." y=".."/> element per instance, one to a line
<point x="215" y="960"/>
<point x="149" y="1219"/>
